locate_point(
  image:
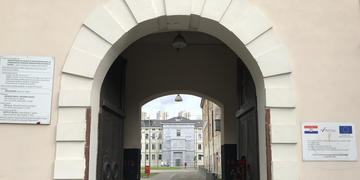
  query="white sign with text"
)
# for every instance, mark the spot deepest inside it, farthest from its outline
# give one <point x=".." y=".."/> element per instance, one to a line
<point x="26" y="89"/>
<point x="328" y="142"/>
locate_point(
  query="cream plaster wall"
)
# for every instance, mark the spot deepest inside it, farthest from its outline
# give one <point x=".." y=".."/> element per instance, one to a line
<point x="321" y="36"/>
<point x="37" y="28"/>
<point x="323" y="40"/>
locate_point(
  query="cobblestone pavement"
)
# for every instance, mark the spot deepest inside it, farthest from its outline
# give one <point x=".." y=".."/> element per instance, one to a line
<point x="188" y="174"/>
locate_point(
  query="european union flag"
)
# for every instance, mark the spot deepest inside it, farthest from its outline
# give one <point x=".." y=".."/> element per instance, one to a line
<point x="345" y="129"/>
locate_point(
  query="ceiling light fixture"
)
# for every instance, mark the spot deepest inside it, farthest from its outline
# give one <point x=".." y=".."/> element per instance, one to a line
<point x="178" y="98"/>
<point x="179" y="42"/>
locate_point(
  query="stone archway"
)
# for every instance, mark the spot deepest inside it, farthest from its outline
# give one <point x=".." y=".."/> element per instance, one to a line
<point x="117" y="23"/>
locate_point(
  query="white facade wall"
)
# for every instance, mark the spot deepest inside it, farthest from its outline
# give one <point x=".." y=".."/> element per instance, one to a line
<point x="180" y="147"/>
<point x="152" y="153"/>
<point x="199" y="152"/>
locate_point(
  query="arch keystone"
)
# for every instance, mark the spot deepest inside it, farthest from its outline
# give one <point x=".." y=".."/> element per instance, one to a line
<point x="176" y="7"/>
<point x="197" y="6"/>
<point x="159" y="6"/>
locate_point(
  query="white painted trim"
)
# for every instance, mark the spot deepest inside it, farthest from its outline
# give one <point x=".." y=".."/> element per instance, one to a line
<point x="242" y="27"/>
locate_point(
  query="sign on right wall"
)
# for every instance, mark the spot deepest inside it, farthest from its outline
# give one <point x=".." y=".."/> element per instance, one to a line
<point x="328" y="141"/>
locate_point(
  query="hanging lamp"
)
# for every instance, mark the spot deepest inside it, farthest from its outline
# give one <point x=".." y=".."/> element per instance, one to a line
<point x="178" y="98"/>
<point x="179" y="42"/>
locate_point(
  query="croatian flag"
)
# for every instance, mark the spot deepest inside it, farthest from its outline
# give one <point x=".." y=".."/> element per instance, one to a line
<point x="311" y="129"/>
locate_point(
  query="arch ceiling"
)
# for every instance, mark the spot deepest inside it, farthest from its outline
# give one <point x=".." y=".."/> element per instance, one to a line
<point x="112" y="26"/>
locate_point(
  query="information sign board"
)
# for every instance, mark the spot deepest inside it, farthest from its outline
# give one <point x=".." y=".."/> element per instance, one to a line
<point x="26" y="89"/>
<point x="328" y="142"/>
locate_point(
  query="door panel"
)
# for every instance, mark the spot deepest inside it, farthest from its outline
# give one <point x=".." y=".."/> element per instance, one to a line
<point x="248" y="124"/>
<point x="111" y="122"/>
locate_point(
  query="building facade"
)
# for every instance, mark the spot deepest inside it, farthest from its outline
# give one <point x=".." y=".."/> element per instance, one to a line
<point x="151" y="143"/>
<point x="171" y="142"/>
<point x="199" y="146"/>
<point x="212" y="136"/>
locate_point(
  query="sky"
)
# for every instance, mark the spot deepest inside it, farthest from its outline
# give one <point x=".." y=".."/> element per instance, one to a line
<point x="190" y="104"/>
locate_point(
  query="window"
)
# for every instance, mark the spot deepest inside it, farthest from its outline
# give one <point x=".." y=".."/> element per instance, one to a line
<point x="217" y="125"/>
<point x="199" y="157"/>
<point x="153" y="146"/>
<point x="160" y="157"/>
<point x="160" y="146"/>
<point x="199" y="146"/>
<point x="147" y="146"/>
<point x="199" y="136"/>
<point x="147" y="157"/>
<point x="153" y="135"/>
<point x="146" y="136"/>
<point x="153" y="157"/>
<point x="178" y="133"/>
<point x="160" y="136"/>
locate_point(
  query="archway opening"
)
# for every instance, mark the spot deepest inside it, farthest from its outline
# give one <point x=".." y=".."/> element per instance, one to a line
<point x="171" y="132"/>
<point x="152" y="66"/>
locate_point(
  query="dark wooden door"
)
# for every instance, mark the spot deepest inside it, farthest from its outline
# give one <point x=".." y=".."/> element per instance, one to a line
<point x="248" y="146"/>
<point x="111" y="122"/>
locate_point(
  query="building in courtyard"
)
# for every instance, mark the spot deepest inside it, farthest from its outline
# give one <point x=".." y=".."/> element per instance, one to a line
<point x="171" y="142"/>
<point x="212" y="136"/>
<point x="151" y="143"/>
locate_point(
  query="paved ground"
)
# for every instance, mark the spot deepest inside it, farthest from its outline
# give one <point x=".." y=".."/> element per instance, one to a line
<point x="188" y="174"/>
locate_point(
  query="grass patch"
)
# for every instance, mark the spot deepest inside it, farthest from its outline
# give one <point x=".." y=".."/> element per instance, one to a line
<point x="160" y="168"/>
<point x="143" y="175"/>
